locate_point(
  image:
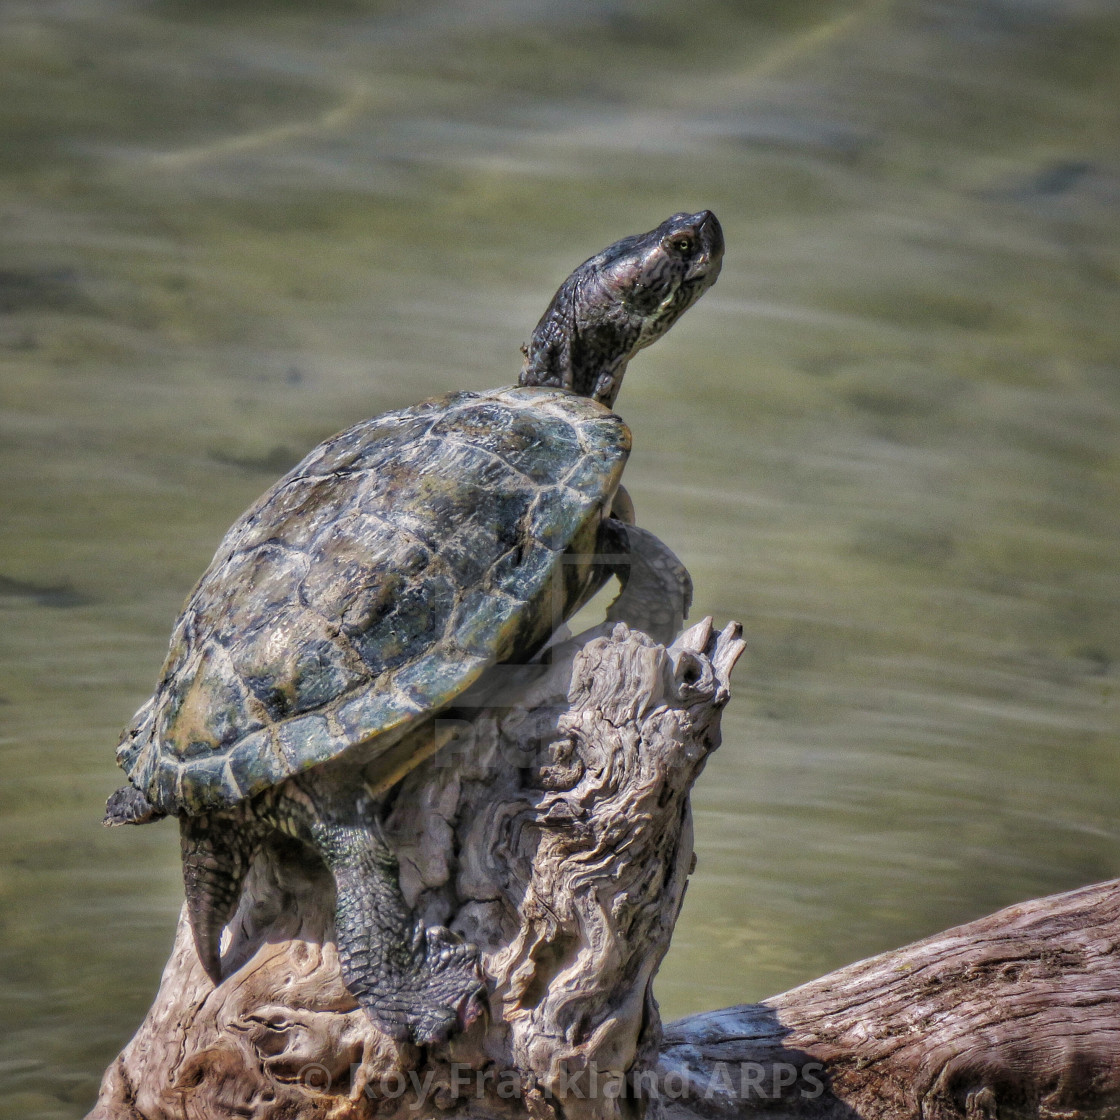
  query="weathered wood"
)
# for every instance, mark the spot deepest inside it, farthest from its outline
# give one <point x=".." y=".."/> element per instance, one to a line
<point x="1014" y="1015"/>
<point x="553" y="830"/>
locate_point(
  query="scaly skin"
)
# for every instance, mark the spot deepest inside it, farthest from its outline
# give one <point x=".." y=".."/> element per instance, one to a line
<point x="621" y="300"/>
<point x="414" y="982"/>
<point x="216" y="849"/>
<point x="656" y="587"/>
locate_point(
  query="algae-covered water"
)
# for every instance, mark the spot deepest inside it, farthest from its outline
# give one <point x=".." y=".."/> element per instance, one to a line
<point x="888" y="441"/>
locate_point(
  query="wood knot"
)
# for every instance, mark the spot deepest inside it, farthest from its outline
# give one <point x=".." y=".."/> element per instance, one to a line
<point x="693" y="677"/>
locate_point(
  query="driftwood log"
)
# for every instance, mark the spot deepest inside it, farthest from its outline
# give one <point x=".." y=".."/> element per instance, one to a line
<point x="1015" y="1015"/>
<point x="554" y="831"/>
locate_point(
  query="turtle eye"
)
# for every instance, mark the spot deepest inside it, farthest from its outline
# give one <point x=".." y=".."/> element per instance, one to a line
<point x="683" y="244"/>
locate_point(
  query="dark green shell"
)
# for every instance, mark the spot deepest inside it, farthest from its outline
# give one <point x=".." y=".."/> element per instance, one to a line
<point x="373" y="584"/>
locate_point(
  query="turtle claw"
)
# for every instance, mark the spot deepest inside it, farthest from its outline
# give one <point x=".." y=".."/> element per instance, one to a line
<point x="448" y="993"/>
<point x="456" y="978"/>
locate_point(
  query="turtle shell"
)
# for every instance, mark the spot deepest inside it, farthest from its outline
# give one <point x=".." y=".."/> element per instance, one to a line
<point x="374" y="583"/>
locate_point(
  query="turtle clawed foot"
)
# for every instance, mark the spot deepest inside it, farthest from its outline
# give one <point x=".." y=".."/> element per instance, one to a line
<point x="452" y="993"/>
<point x="444" y="996"/>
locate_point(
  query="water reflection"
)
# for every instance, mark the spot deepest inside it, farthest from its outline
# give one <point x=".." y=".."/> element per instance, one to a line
<point x="887" y="441"/>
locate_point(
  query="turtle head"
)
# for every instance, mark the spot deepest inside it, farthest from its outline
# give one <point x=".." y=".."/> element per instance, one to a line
<point x="620" y="300"/>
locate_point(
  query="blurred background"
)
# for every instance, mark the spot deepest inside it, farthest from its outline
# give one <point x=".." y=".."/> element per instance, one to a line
<point x="888" y="441"/>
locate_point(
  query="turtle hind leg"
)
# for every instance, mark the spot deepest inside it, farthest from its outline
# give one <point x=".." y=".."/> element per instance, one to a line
<point x="217" y="850"/>
<point x="413" y="982"/>
<point x="128" y="805"/>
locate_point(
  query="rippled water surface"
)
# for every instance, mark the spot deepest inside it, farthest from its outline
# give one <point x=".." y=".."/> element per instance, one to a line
<point x="888" y="441"/>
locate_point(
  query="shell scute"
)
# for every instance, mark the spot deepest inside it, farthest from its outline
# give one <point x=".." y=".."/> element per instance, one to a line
<point x="251" y="588"/>
<point x="205" y="778"/>
<point x="371" y="712"/>
<point x="351" y="561"/>
<point x="555" y="516"/>
<point x="526" y="442"/>
<point x="426" y="682"/>
<point x="304" y="508"/>
<point x="590" y="472"/>
<point x="522" y="571"/>
<point x="481" y="620"/>
<point x="300" y="677"/>
<point x="459" y="486"/>
<point x="253" y="763"/>
<point x="402" y="624"/>
<point x="211" y="711"/>
<point x="305" y="741"/>
<point x="321" y="676"/>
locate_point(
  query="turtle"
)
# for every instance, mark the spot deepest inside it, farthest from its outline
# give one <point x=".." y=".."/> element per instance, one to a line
<point x="376" y="582"/>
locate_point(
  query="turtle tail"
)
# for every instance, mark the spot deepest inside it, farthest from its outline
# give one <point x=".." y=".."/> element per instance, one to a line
<point x="129" y="806"/>
<point x="217" y="851"/>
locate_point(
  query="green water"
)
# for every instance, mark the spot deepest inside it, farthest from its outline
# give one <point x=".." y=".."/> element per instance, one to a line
<point x="888" y="442"/>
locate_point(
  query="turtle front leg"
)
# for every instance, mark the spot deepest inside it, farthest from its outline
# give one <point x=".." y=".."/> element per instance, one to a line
<point x="414" y="982"/>
<point x="656" y="587"/>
